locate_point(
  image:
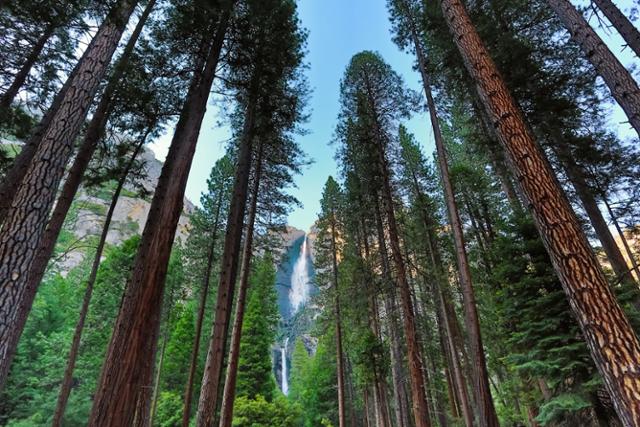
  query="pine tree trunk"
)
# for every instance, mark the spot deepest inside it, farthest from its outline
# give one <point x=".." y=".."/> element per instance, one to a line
<point x="188" y="393"/>
<point x="129" y="363"/>
<point x="623" y="87"/>
<point x="229" y="393"/>
<point x="486" y="411"/>
<point x="339" y="356"/>
<point x="419" y="398"/>
<point x="576" y="175"/>
<point x="80" y="163"/>
<point x="21" y="76"/>
<point x="94" y="131"/>
<point x="67" y="380"/>
<point x="26" y="220"/>
<point x="622" y="24"/>
<point x="396" y="357"/>
<point x="609" y="336"/>
<point x="625" y="242"/>
<point x="208" y="402"/>
<point x="156" y="383"/>
<point x="461" y="386"/>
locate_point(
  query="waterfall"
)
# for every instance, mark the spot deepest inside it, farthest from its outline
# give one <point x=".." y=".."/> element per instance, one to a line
<point x="285" y="380"/>
<point x="299" y="292"/>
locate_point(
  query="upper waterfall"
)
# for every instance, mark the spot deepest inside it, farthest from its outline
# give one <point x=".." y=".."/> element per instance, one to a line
<point x="300" y="278"/>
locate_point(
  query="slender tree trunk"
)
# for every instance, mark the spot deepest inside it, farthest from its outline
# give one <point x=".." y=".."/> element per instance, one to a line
<point x="590" y="205"/>
<point x="622" y="24"/>
<point x="229" y="393"/>
<point x="26" y="220"/>
<point x="129" y="363"/>
<point x="156" y="382"/>
<point x="623" y="87"/>
<point x="611" y="339"/>
<point x="80" y="163"/>
<point x="188" y="393"/>
<point x="339" y="356"/>
<point x="18" y="81"/>
<point x="625" y="243"/>
<point x="447" y="314"/>
<point x="67" y="380"/>
<point x="419" y="399"/>
<point x="208" y="402"/>
<point x="366" y="407"/>
<point x="486" y="411"/>
<point x="94" y="131"/>
<point x="396" y="357"/>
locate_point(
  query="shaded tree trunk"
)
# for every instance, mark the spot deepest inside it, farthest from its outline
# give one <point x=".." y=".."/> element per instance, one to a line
<point x="67" y="380"/>
<point x="610" y="338"/>
<point x="486" y="411"/>
<point x="188" y="393"/>
<point x="419" y="399"/>
<point x="396" y="357"/>
<point x="623" y="87"/>
<point x="576" y="175"/>
<point x="129" y="363"/>
<point x="622" y="24"/>
<point x="625" y="242"/>
<point x="26" y="219"/>
<point x="229" y="393"/>
<point x="208" y="402"/>
<point x="80" y="163"/>
<point x="339" y="356"/>
<point x="22" y="74"/>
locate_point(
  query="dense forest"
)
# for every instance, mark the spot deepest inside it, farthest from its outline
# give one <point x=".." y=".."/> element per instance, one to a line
<point x="493" y="281"/>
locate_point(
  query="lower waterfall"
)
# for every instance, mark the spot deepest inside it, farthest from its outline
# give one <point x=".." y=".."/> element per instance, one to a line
<point x="285" y="380"/>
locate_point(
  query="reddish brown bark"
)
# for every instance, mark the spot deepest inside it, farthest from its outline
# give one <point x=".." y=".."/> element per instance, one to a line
<point x="128" y="368"/>
<point x="390" y="308"/>
<point x="624" y="26"/>
<point x="486" y="410"/>
<point x="67" y="380"/>
<point x="623" y="87"/>
<point x="613" y="344"/>
<point x="26" y="219"/>
<point x="339" y="352"/>
<point x="208" y="402"/>
<point x="229" y="393"/>
<point x="419" y="398"/>
<point x="188" y="393"/>
<point x="80" y="163"/>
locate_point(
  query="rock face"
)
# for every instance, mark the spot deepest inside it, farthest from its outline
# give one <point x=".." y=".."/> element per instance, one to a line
<point x="86" y="216"/>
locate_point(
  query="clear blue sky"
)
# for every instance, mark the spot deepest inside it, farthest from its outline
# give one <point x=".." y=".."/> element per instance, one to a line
<point x="338" y="29"/>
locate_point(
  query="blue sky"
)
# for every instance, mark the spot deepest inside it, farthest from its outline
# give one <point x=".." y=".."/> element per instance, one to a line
<point x="338" y="29"/>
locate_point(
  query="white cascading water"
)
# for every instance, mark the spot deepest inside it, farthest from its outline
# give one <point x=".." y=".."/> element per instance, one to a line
<point x="299" y="292"/>
<point x="285" y="380"/>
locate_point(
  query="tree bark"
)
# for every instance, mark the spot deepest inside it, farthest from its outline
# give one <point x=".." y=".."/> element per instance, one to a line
<point x="623" y="87"/>
<point x="67" y="380"/>
<point x="129" y="363"/>
<point x="396" y="357"/>
<point x="188" y="393"/>
<point x="208" y="402"/>
<point x="229" y="392"/>
<point x="26" y="219"/>
<point x="419" y="398"/>
<point x="609" y="336"/>
<point x="625" y="242"/>
<point x="590" y="205"/>
<point x="622" y="24"/>
<point x="339" y="356"/>
<point x="80" y="163"/>
<point x="22" y="74"/>
<point x="486" y="411"/>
